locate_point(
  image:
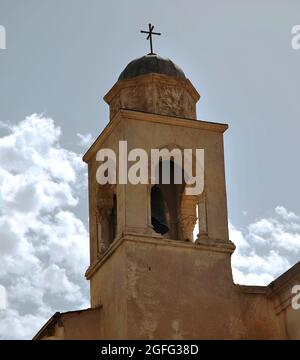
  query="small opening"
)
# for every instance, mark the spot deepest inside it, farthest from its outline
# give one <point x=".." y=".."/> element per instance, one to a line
<point x="158" y="211"/>
<point x="166" y="200"/>
<point x="113" y="220"/>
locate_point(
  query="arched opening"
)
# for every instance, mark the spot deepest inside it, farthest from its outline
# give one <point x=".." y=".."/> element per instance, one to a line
<point x="159" y="219"/>
<point x="165" y="201"/>
<point x="202" y="217"/>
<point x="113" y="220"/>
<point x="106" y="217"/>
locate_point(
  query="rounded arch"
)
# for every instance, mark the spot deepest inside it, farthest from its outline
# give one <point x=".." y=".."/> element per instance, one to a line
<point x="188" y="162"/>
<point x="106" y="214"/>
<point x="182" y="207"/>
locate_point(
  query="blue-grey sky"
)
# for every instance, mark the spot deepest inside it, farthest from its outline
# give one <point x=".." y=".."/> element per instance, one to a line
<point x="63" y="56"/>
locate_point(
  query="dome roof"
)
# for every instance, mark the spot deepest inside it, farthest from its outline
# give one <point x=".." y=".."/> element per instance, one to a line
<point x="151" y="63"/>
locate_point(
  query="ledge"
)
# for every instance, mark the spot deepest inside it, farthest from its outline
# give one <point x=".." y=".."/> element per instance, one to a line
<point x="213" y="245"/>
<point x="151" y="78"/>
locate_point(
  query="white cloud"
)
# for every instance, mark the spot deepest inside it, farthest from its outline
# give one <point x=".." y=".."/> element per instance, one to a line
<point x="43" y="244"/>
<point x="85" y="140"/>
<point x="280" y="210"/>
<point x="19" y="326"/>
<point x="269" y="248"/>
<point x="238" y="237"/>
<point x="3" y="299"/>
<point x="245" y="278"/>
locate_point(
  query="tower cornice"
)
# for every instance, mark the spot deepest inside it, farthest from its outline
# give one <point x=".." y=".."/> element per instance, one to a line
<point x="124" y="114"/>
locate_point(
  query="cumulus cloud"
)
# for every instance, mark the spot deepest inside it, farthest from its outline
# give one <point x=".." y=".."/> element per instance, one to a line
<point x="3" y="301"/>
<point x="280" y="210"/>
<point x="269" y="247"/>
<point x="85" y="140"/>
<point x="43" y="244"/>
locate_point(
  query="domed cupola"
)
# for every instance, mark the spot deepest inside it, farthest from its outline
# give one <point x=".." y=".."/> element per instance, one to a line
<point x="153" y="84"/>
<point x="151" y="63"/>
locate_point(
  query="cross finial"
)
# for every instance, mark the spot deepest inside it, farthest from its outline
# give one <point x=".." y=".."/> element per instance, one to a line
<point x="149" y="37"/>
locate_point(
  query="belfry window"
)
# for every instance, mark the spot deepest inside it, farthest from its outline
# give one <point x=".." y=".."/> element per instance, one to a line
<point x="158" y="211"/>
<point x="113" y="220"/>
<point x="165" y="202"/>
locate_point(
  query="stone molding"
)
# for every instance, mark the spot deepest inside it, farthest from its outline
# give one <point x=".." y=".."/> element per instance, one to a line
<point x="211" y="245"/>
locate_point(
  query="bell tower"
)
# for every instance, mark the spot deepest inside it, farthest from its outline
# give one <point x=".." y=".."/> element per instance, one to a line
<point x="151" y="271"/>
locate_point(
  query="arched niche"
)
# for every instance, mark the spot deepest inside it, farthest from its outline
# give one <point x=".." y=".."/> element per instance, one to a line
<point x="172" y="206"/>
<point x="106" y="216"/>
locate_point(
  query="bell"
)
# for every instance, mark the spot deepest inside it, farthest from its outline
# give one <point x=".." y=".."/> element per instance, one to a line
<point x="158" y="211"/>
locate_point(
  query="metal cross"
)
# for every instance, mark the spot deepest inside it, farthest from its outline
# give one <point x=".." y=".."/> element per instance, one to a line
<point x="150" y="33"/>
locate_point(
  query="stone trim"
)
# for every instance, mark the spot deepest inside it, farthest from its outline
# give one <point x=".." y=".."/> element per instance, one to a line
<point x="213" y="245"/>
<point x="148" y="79"/>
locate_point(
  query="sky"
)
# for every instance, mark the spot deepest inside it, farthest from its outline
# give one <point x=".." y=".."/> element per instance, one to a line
<point x="62" y="57"/>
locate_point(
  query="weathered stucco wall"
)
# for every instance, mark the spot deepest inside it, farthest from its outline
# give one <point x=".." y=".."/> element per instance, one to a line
<point x="161" y="289"/>
<point x="179" y="290"/>
<point x="108" y="290"/>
